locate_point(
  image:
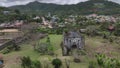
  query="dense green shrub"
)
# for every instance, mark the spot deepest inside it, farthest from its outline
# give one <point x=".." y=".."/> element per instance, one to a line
<point x="91" y="30"/>
<point x="42" y="48"/>
<point x="92" y="64"/>
<point x="6" y="51"/>
<point x="26" y="62"/>
<point x="106" y="62"/>
<point x="117" y="30"/>
<point x="57" y="63"/>
<point x="36" y="64"/>
<point x="100" y="59"/>
<point x="46" y="47"/>
<point x="11" y="48"/>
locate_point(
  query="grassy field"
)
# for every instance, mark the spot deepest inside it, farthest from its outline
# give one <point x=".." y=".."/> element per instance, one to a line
<point x="93" y="45"/>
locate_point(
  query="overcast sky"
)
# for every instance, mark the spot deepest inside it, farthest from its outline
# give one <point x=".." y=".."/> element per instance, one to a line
<point x="22" y="2"/>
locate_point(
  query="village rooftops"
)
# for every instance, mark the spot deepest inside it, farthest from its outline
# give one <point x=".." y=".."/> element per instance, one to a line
<point x="14" y="24"/>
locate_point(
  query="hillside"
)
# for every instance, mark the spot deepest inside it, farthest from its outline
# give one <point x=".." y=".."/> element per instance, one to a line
<point x="88" y="7"/>
<point x="3" y="17"/>
<point x="3" y="9"/>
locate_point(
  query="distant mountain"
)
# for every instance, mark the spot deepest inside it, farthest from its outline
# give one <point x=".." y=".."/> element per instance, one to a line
<point x="88" y="7"/>
<point x="3" y="9"/>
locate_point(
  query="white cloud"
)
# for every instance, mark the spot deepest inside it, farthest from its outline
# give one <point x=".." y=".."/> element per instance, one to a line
<point x="63" y="1"/>
<point x="14" y="2"/>
<point x="22" y="2"/>
<point x="117" y="1"/>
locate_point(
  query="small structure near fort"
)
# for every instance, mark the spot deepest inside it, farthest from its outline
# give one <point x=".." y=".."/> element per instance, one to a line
<point x="72" y="40"/>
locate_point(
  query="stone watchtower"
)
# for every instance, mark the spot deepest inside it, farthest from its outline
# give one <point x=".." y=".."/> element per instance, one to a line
<point x="72" y="40"/>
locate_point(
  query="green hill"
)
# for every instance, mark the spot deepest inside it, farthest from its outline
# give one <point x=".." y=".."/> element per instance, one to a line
<point x="88" y="7"/>
<point x="3" y="9"/>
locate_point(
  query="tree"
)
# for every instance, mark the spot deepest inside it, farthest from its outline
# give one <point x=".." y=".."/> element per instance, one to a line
<point x="45" y="48"/>
<point x="48" y="40"/>
<point x="16" y="47"/>
<point x="17" y="11"/>
<point x="42" y="48"/>
<point x="37" y="64"/>
<point x="57" y="63"/>
<point x="117" y="30"/>
<point x="28" y="63"/>
<point x="104" y="26"/>
<point x="92" y="64"/>
<point x="49" y="46"/>
<point x="91" y="30"/>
